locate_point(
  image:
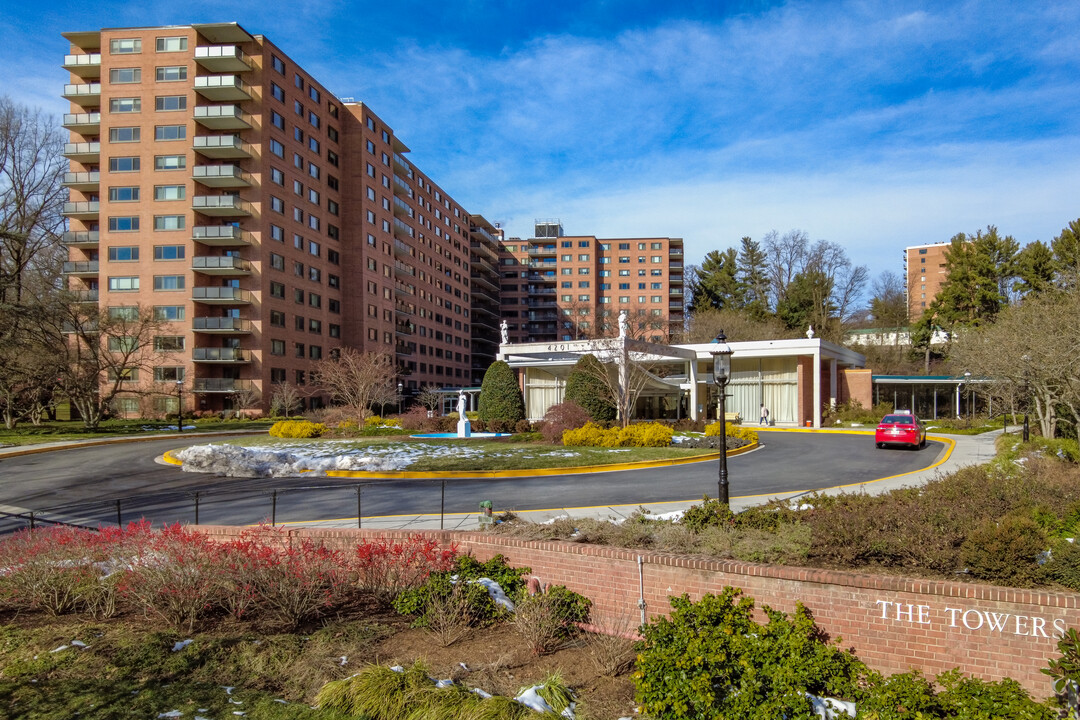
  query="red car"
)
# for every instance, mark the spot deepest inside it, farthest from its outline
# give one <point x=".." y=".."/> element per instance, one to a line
<point x="900" y="428"/>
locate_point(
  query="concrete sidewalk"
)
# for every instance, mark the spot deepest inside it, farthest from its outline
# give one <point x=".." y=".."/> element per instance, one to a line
<point x="965" y="450"/>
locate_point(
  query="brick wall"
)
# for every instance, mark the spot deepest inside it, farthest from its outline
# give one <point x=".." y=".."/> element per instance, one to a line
<point x="892" y="623"/>
<point x="857" y="384"/>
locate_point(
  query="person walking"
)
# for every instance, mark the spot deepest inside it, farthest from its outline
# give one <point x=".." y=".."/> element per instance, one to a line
<point x="764" y="414"/>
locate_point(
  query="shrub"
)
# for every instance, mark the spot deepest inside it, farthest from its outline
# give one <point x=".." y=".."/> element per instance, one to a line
<point x="637" y="435"/>
<point x="385" y="568"/>
<point x="711" y="659"/>
<point x="50" y="570"/>
<point x="1005" y="551"/>
<point x="710" y="513"/>
<point x="297" y="429"/>
<point x="748" y="435"/>
<point x="482" y="609"/>
<point x="1064" y="564"/>
<point x="586" y="388"/>
<point x="500" y="396"/>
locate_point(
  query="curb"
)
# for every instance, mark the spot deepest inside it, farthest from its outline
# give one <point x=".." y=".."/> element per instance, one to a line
<point x="35" y="450"/>
<point x="170" y="458"/>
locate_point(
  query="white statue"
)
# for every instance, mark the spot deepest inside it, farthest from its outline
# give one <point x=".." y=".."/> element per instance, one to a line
<point x="622" y="323"/>
<point x="505" y="330"/>
<point x="810" y="332"/>
<point x="462" y="403"/>
<point x="464" y="427"/>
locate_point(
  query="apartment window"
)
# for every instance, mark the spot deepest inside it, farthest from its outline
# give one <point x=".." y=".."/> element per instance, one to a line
<point x="334" y="306"/>
<point x="277" y="148"/>
<point x="125" y="105"/>
<point x="566" y="258"/>
<point x="298" y="296"/>
<point x="656" y="286"/>
<point x="333" y="257"/>
<point x="172" y="73"/>
<point x="125" y="75"/>
<point x="298" y="108"/>
<point x="583" y="258"/>
<point x="566" y="271"/>
<point x="655" y="299"/>
<point x="566" y="298"/>
<point x="298" y="349"/>
<point x="313" y="222"/>
<point x="277" y="204"/>
<point x="124" y="134"/>
<point x="624" y="273"/>
<point x="170" y="132"/>
<point x="299" y="323"/>
<point x="656" y="259"/>
<point x="315" y="326"/>
<point x="313" y="170"/>
<point x="277" y="319"/>
<point x="298" y="269"/>
<point x="170" y="162"/>
<point x="624" y="286"/>
<point x="624" y="298"/>
<point x="124" y="223"/>
<point x="298" y="161"/>
<point x="656" y="246"/>
<point x="277" y="262"/>
<point x="298" y="215"/>
<point x="123" y="194"/>
<point x="169" y="192"/>
<point x="298" y="135"/>
<point x="333" y="281"/>
<point x="169" y="222"/>
<point x="125" y="46"/>
<point x="583" y="298"/>
<point x="332" y="133"/>
<point x="583" y="271"/>
<point x="332" y="207"/>
<point x="656" y="272"/>
<point x="315" y="352"/>
<point x="125" y="253"/>
<point x="313" y="248"/>
<point x="168" y="343"/>
<point x="583" y="284"/>
<point x="123" y="284"/>
<point x="169" y="313"/>
<point x="313" y="145"/>
<point x="314" y="274"/>
<point x="277" y="233"/>
<point x="169" y="252"/>
<point x="298" y="81"/>
<point x="276" y="120"/>
<point x="314" y="300"/>
<point x="124" y="164"/>
<point x="169" y="103"/>
<point x="331" y="181"/>
<point x="277" y="290"/>
<point x="277" y="176"/>
<point x="313" y="119"/>
<point x="124" y="373"/>
<point x="171" y="44"/>
<point x="169" y="282"/>
<point x="370" y="170"/>
<point x="277" y="347"/>
<point x="278" y="93"/>
<point x="334" y="330"/>
<point x="624" y="260"/>
<point x="371" y="147"/>
<point x="277" y="375"/>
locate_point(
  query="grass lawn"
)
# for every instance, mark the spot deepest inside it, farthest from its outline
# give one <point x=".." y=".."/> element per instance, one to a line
<point x="27" y="434"/>
<point x="475" y="455"/>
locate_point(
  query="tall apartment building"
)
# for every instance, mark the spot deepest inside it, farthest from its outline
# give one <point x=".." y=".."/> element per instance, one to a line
<point x="924" y="272"/>
<point x="219" y="185"/>
<point x="561" y="287"/>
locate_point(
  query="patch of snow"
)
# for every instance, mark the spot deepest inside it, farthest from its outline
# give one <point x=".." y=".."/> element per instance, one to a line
<point x="181" y="645"/>
<point x="59" y="649"/>
<point x="444" y="683"/>
<point x="673" y="516"/>
<point x="397" y="668"/>
<point x="495" y="592"/>
<point x="171" y="714"/>
<point x="79" y="644"/>
<point x="551" y="521"/>
<point x="831" y="708"/>
<point x="228" y="689"/>
<point x="344" y="660"/>
<point x="481" y="693"/>
<point x="530" y="698"/>
<point x="464" y="667"/>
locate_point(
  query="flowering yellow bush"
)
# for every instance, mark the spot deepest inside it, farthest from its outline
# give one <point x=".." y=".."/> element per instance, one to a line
<point x="376" y="421"/>
<point x="297" y="429"/>
<point x="638" y="435"/>
<point x="735" y="431"/>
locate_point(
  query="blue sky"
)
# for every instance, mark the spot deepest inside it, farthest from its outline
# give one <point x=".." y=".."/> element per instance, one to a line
<point x="872" y="124"/>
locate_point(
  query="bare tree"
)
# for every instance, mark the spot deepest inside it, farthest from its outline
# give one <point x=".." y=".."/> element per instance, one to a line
<point x="285" y="399"/>
<point x="739" y="325"/>
<point x="624" y="372"/>
<point x="358" y="381"/>
<point x="247" y="397"/>
<point x="430" y="397"/>
<point x="104" y="352"/>
<point x="31" y="196"/>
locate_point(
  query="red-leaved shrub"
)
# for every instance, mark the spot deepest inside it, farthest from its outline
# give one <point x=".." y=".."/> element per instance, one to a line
<point x="386" y="567"/>
<point x="562" y="417"/>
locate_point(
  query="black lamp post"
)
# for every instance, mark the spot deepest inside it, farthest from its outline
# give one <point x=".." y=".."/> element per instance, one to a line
<point x="1027" y="394"/>
<point x="967" y="381"/>
<point x="179" y="405"/>
<point x="400" y="389"/>
<point x="721" y="374"/>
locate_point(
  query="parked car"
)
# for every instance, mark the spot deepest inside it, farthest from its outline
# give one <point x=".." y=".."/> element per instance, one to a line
<point x="900" y="428"/>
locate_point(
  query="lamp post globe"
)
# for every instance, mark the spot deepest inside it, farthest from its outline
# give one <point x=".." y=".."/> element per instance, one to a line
<point x="721" y="375"/>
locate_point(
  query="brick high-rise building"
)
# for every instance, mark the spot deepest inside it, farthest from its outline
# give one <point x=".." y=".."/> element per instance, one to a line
<point x="924" y="273"/>
<point x="219" y="185"/>
<point x="560" y="287"/>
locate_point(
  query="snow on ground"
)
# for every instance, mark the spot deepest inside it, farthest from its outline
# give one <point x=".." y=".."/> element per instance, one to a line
<point x="292" y="459"/>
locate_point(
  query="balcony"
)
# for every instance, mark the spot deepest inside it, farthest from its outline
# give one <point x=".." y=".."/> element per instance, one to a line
<point x="675" y="279"/>
<point x="404" y="290"/>
<point x="85" y="296"/>
<point x="81" y="268"/>
<point x="675" y="266"/>
<point x="84" y="239"/>
<point x="402" y="164"/>
<point x="221" y="58"/>
<point x="223" y="325"/>
<point x="221" y="385"/>
<point x="402" y="231"/>
<point x="220" y="265"/>
<point x="542" y="251"/>
<point x="401" y="187"/>
<point x="83" y="210"/>
<point x="403" y="350"/>
<point x="675" y="292"/>
<point x="220" y="235"/>
<point x="222" y="146"/>
<point x="84" y="152"/>
<point x="402" y="249"/>
<point x="406" y="328"/>
<point x="85" y="95"/>
<point x="221" y="295"/>
<point x="222" y="117"/>
<point x="84" y="123"/>
<point x="83" y="181"/>
<point x="225" y="176"/>
<point x="403" y="270"/>
<point x="675" y="251"/>
<point x="675" y="306"/>
<point x="220" y="206"/>
<point x="220" y="355"/>
<point x="402" y="308"/>
<point x="86" y="66"/>
<point x="401" y="209"/>
<point x="222" y="88"/>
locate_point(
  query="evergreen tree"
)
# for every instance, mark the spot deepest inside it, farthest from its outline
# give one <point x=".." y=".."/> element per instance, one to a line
<point x="753" y="277"/>
<point x="586" y="387"/>
<point x="500" y="396"/>
<point x="1066" y="247"/>
<point x="970" y="294"/>
<point x="1035" y="269"/>
<point x="807" y="303"/>
<point x="715" y="284"/>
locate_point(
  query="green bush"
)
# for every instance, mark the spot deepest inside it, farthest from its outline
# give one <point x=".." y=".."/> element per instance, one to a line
<point x="1005" y="551"/>
<point x="296" y="429"/>
<point x="710" y="513"/>
<point x="585" y="386"/>
<point x="481" y="609"/>
<point x="712" y="660"/>
<point x="500" y="397"/>
<point x="1064" y="564"/>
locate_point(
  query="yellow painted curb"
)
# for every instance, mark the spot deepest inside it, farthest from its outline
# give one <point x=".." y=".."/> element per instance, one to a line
<point x="76" y="444"/>
<point x="432" y="475"/>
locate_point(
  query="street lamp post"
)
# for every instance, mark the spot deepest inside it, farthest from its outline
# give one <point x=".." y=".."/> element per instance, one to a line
<point x="180" y="405"/>
<point x="721" y="374"/>
<point x="967" y="381"/>
<point x="400" y="389"/>
<point x="1027" y="394"/>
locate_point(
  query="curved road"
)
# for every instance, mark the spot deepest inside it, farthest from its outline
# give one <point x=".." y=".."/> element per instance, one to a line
<point x="83" y="485"/>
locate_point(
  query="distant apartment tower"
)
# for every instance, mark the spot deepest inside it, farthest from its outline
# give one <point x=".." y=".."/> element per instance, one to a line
<point x="924" y="272"/>
<point x="269" y="223"/>
<point x="557" y="287"/>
